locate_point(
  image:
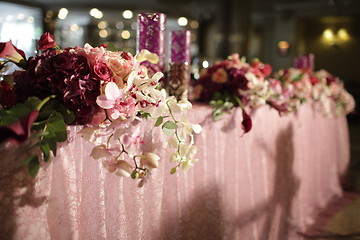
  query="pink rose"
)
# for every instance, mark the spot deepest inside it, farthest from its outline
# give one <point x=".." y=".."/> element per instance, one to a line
<point x="10" y="52"/>
<point x="91" y="54"/>
<point x="220" y="76"/>
<point x="120" y="67"/>
<point x="102" y="71"/>
<point x="46" y="42"/>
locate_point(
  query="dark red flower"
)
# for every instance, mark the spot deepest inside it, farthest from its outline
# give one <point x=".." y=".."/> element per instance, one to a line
<point x="237" y="79"/>
<point x="246" y="123"/>
<point x="46" y="42"/>
<point x="65" y="75"/>
<point x="7" y="95"/>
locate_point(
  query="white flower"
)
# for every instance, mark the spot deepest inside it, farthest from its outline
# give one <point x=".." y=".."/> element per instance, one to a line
<point x="101" y="151"/>
<point x="123" y="168"/>
<point x="147" y="55"/>
<point x="150" y="160"/>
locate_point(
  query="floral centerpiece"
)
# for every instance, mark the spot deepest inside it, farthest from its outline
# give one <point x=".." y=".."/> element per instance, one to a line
<point x="233" y="83"/>
<point x="290" y="88"/>
<point x="101" y="88"/>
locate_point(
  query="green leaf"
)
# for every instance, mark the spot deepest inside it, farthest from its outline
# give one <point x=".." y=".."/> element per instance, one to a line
<point x="159" y="121"/>
<point x="170" y="125"/>
<point x="34" y="166"/>
<point x="48" y="133"/>
<point x="168" y="132"/>
<point x="58" y="126"/>
<point x="68" y="115"/>
<point x="52" y="144"/>
<point x="32" y="102"/>
<point x="145" y="115"/>
<point x="27" y="160"/>
<point x="7" y="120"/>
<point x="173" y="170"/>
<point x="45" y="148"/>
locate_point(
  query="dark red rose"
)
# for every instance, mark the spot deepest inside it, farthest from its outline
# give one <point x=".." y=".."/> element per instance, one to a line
<point x="19" y="131"/>
<point x="46" y="42"/>
<point x="7" y="95"/>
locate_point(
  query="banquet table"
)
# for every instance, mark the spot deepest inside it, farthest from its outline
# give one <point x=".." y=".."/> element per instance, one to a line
<point x="267" y="184"/>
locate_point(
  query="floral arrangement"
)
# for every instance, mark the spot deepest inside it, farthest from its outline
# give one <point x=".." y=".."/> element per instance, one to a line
<point x="101" y="88"/>
<point x="289" y="88"/>
<point x="235" y="83"/>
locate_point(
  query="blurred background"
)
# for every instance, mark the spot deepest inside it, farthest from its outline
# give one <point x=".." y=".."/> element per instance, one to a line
<point x="276" y="31"/>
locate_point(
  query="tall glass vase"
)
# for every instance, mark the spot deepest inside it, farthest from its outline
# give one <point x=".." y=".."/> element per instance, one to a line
<point x="178" y="82"/>
<point x="151" y="35"/>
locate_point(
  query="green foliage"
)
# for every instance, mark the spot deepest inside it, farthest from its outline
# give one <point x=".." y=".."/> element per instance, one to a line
<point x="168" y="127"/>
<point x="34" y="166"/>
<point x="173" y="170"/>
<point x="222" y="103"/>
<point x="159" y="121"/>
<point x="12" y="115"/>
<point x="144" y="114"/>
<point x="47" y="130"/>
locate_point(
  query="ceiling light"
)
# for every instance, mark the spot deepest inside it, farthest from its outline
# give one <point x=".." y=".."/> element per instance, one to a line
<point x="127" y="14"/>
<point x="182" y="21"/>
<point x="74" y="27"/>
<point x="125" y="34"/>
<point x="205" y="64"/>
<point x="102" y="24"/>
<point x="343" y="34"/>
<point x="20" y="16"/>
<point x="194" y="24"/>
<point x="103" y="33"/>
<point x="119" y="25"/>
<point x="30" y="19"/>
<point x="63" y="12"/>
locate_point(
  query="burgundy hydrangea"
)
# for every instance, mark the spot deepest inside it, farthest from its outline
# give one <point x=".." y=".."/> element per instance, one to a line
<point x="66" y="75"/>
<point x="7" y="95"/>
<point x="235" y="80"/>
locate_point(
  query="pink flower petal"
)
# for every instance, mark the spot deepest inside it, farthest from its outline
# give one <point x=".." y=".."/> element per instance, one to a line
<point x="105" y="103"/>
<point x="112" y="91"/>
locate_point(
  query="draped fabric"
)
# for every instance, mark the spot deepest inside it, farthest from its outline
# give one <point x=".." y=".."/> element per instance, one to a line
<point x="267" y="184"/>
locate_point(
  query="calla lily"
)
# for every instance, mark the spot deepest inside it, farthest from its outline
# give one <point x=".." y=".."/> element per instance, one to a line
<point x="246" y="123"/>
<point x="10" y="52"/>
<point x="19" y="131"/>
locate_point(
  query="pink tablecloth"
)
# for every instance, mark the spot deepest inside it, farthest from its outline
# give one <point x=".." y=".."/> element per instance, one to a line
<point x="268" y="184"/>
